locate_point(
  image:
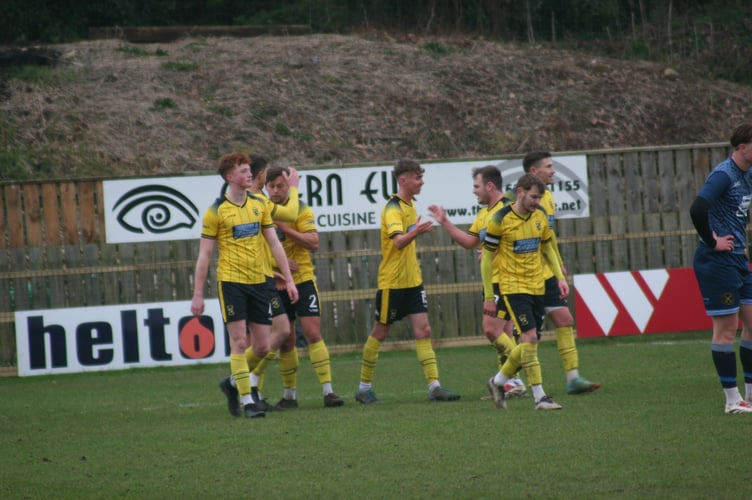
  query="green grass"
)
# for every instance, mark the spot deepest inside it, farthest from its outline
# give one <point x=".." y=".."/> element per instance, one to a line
<point x="41" y="75"/>
<point x="656" y="429"/>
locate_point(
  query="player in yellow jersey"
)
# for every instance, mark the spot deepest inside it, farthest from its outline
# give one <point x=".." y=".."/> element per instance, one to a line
<point x="487" y="183"/>
<point x="239" y="225"/>
<point x="299" y="239"/>
<point x="540" y="164"/>
<point x="280" y="325"/>
<point x="520" y="234"/>
<point x="400" y="285"/>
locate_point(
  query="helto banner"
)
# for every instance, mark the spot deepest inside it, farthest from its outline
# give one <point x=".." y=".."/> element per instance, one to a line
<point x="118" y="337"/>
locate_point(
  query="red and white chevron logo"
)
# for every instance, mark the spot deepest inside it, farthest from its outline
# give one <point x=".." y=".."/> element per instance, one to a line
<point x="636" y="302"/>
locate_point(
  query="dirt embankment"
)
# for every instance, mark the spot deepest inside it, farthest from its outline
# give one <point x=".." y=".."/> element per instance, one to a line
<point x="121" y="109"/>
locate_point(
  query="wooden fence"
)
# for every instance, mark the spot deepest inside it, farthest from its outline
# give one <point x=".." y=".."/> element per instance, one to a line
<point x="53" y="252"/>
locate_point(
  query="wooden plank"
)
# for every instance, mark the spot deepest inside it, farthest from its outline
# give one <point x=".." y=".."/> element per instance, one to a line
<point x="614" y="185"/>
<point x="87" y="209"/>
<point x="76" y="286"/>
<point x="127" y="282"/>
<point x="146" y="285"/>
<point x="3" y="215"/>
<point x="109" y="280"/>
<point x="686" y="192"/>
<point x="99" y="213"/>
<point x="654" y="246"/>
<point x="164" y="276"/>
<point x="598" y="185"/>
<point x="669" y="207"/>
<point x="185" y="252"/>
<point x="14" y="210"/>
<point x="633" y="189"/>
<point x="51" y="214"/>
<point x="602" y="246"/>
<point x="69" y="211"/>
<point x="439" y="268"/>
<point x="94" y="283"/>
<point x="32" y="215"/>
<point x="618" y="255"/>
<point x="56" y="284"/>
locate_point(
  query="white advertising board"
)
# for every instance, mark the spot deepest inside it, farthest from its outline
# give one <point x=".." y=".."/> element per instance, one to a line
<point x="348" y="198"/>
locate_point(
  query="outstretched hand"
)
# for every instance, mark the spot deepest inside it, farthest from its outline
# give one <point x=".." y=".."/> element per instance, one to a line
<point x="423" y="227"/>
<point x="438" y="213"/>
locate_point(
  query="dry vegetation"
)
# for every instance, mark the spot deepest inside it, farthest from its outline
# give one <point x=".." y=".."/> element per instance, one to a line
<point x="123" y="109"/>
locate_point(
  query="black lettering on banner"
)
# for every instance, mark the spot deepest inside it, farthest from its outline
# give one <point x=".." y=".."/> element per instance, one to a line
<point x="155" y="322"/>
<point x="37" y="351"/>
<point x="385" y="187"/>
<point x="90" y="335"/>
<point x="129" y="326"/>
<point x="333" y="190"/>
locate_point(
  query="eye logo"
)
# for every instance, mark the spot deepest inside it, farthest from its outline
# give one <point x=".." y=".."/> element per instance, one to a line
<point x="155" y="209"/>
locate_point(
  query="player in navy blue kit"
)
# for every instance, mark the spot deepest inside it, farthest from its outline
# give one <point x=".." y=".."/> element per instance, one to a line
<point x="720" y="216"/>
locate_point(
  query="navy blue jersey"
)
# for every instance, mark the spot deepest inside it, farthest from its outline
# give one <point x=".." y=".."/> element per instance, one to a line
<point x="728" y="190"/>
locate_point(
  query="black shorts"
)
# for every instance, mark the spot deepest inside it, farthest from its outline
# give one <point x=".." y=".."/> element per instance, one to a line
<point x="552" y="297"/>
<point x="526" y="311"/>
<point x="253" y="303"/>
<point x="501" y="311"/>
<point x="307" y="304"/>
<point x="394" y="304"/>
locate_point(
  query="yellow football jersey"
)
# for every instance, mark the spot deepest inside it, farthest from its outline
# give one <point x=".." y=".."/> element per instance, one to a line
<point x="399" y="268"/>
<point x="240" y="241"/>
<point x="304" y="223"/>
<point x="517" y="239"/>
<point x="548" y="205"/>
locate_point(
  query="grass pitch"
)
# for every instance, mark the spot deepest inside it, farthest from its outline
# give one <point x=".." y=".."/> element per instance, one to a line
<point x="655" y="429"/>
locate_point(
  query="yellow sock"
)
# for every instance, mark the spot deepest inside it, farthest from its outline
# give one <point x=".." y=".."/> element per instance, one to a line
<point x="503" y="345"/>
<point x="252" y="359"/>
<point x="513" y="362"/>
<point x="427" y="358"/>
<point x="319" y="356"/>
<point x="260" y="369"/>
<point x="239" y="369"/>
<point x="531" y="364"/>
<point x="567" y="348"/>
<point x="370" y="356"/>
<point x="288" y="368"/>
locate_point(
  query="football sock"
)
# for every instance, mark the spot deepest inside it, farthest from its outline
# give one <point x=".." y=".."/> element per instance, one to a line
<point x="538" y="392"/>
<point x="745" y="356"/>
<point x="427" y="358"/>
<point x="288" y="368"/>
<point x="513" y="363"/>
<point x="725" y="364"/>
<point x="503" y="345"/>
<point x="370" y="356"/>
<point x="319" y="357"/>
<point x="252" y="359"/>
<point x="530" y="363"/>
<point x="567" y="348"/>
<point x="239" y="369"/>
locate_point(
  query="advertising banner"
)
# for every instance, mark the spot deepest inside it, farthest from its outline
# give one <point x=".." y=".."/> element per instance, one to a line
<point x="637" y="302"/>
<point x="348" y="198"/>
<point x="118" y="337"/>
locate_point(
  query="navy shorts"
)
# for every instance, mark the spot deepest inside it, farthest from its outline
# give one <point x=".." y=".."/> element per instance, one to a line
<point x="501" y="311"/>
<point x="724" y="279"/>
<point x="526" y="311"/>
<point x="552" y="299"/>
<point x="393" y="305"/>
<point x="307" y="304"/>
<point x="253" y="303"/>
